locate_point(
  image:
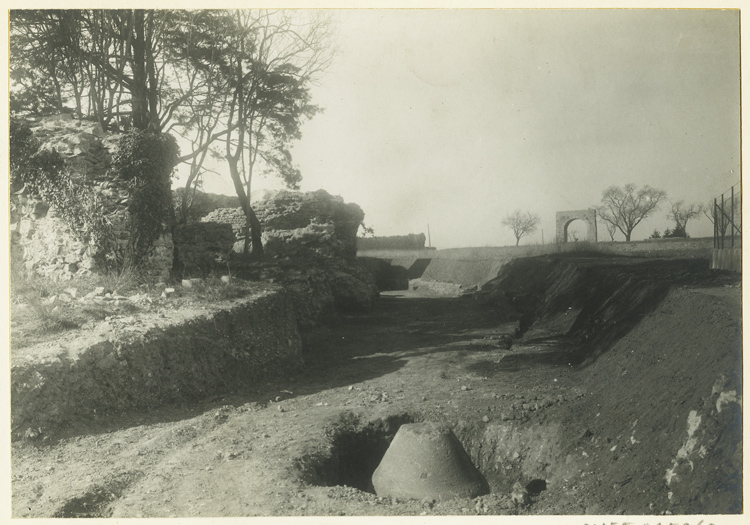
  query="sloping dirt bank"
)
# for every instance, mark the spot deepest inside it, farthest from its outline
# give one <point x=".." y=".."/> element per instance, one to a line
<point x="643" y="422"/>
<point x="146" y="360"/>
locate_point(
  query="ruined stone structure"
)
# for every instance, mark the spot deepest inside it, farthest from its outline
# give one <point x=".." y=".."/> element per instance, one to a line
<point x="310" y="243"/>
<point x="41" y="242"/>
<point x="202" y="248"/>
<point x="299" y="223"/>
<point x="564" y="218"/>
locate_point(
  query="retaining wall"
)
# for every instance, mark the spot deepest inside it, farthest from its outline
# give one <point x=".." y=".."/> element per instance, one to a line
<point x="153" y="361"/>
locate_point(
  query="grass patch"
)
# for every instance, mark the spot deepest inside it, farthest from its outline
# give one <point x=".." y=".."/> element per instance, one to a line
<point x="41" y="309"/>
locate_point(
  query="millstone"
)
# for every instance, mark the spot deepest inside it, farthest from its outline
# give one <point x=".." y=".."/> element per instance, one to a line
<point x="426" y="460"/>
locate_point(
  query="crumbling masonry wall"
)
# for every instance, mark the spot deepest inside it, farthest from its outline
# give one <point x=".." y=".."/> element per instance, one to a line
<point x="299" y="223"/>
<point x="41" y="242"/>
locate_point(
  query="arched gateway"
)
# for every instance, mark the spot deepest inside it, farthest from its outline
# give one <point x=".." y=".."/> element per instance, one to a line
<point x="564" y="218"/>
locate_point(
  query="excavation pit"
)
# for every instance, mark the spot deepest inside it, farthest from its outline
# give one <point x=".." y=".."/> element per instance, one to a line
<point x="356" y="450"/>
<point x="536" y="486"/>
<point x="426" y="460"/>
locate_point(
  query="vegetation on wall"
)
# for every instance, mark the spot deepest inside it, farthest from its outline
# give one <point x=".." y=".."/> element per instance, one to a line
<point x="42" y="173"/>
<point x="31" y="167"/>
<point x="145" y="162"/>
<point x="142" y="166"/>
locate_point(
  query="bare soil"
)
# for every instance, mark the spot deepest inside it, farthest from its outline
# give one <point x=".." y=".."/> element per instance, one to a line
<point x="647" y="422"/>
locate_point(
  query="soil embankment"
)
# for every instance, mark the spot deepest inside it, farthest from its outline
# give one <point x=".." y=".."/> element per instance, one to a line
<point x="141" y="361"/>
<point x="602" y="385"/>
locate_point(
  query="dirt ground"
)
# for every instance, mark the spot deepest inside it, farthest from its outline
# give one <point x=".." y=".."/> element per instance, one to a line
<point x="648" y="423"/>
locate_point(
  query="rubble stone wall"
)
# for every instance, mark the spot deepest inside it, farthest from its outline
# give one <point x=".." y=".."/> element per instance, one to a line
<point x="299" y="223"/>
<point x="313" y="239"/>
<point x="41" y="242"/>
<point x="202" y="248"/>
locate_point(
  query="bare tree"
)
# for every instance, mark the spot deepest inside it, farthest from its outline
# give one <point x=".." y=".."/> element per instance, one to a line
<point x="611" y="230"/>
<point x="681" y="213"/>
<point x="625" y="207"/>
<point x="522" y="223"/>
<point x="276" y="56"/>
<point x="723" y="214"/>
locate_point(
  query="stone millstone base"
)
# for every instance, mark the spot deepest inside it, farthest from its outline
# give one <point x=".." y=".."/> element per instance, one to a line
<point x="426" y="460"/>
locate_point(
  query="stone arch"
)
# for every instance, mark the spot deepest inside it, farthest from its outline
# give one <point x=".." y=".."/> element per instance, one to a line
<point x="564" y="218"/>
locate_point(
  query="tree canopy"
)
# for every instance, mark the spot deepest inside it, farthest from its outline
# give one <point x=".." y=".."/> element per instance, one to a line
<point x="625" y="207"/>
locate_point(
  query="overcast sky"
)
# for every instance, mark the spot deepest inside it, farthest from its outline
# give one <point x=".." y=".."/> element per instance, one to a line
<point x="454" y="118"/>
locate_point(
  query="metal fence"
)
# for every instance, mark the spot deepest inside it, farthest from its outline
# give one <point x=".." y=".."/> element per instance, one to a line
<point x="727" y="218"/>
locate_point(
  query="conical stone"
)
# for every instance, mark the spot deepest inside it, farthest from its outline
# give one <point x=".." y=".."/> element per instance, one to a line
<point x="426" y="460"/>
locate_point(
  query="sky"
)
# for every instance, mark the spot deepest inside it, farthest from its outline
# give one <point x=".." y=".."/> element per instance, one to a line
<point x="452" y="119"/>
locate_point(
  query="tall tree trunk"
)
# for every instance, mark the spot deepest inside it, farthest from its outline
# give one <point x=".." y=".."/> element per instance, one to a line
<point x="58" y="90"/>
<point x="139" y="95"/>
<point x="253" y="223"/>
<point x="153" y="88"/>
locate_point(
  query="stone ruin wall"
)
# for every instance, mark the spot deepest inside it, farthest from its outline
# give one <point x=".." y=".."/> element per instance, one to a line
<point x="299" y="224"/>
<point x="310" y="246"/>
<point x="41" y="243"/>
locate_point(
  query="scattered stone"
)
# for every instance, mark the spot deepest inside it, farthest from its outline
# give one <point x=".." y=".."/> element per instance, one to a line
<point x="519" y="495"/>
<point x="427" y="502"/>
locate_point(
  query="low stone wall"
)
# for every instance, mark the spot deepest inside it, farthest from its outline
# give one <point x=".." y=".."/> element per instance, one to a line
<point x="134" y="365"/>
<point x="201" y="248"/>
